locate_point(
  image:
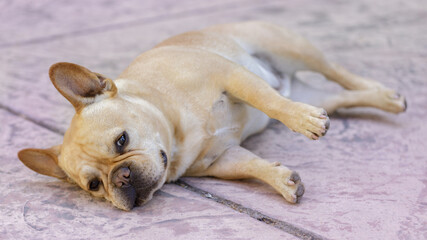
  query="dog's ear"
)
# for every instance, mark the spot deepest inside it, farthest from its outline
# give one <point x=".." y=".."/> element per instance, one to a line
<point x="43" y="161"/>
<point x="79" y="85"/>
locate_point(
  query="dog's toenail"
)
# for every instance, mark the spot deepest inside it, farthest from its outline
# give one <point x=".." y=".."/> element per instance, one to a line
<point x="327" y="124"/>
<point x="315" y="136"/>
<point x="276" y="164"/>
<point x="300" y="190"/>
<point x="295" y="177"/>
<point x="405" y="104"/>
<point x="396" y="96"/>
<point x="324" y="114"/>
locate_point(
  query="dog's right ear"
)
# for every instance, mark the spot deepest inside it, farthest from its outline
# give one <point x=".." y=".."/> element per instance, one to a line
<point x="43" y="161"/>
<point x="79" y="85"/>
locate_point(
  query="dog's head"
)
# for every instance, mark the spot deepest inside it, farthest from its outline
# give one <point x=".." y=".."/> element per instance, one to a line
<point x="116" y="146"/>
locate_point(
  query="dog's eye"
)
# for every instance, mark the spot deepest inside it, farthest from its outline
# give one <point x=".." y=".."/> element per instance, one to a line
<point x="94" y="184"/>
<point x="121" y="142"/>
<point x="164" y="157"/>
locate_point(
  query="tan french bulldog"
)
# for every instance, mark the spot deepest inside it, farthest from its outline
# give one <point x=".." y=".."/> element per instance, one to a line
<point x="184" y="107"/>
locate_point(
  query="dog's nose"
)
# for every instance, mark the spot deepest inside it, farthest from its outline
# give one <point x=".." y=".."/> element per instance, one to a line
<point x="121" y="178"/>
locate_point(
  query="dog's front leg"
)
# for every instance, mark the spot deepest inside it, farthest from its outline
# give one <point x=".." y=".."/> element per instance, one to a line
<point x="311" y="121"/>
<point x="239" y="163"/>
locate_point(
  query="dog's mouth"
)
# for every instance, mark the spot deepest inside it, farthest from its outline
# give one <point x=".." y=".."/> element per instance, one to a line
<point x="133" y="183"/>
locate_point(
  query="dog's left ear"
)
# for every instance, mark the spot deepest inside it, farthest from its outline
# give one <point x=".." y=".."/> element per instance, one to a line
<point x="43" y="161"/>
<point x="79" y="85"/>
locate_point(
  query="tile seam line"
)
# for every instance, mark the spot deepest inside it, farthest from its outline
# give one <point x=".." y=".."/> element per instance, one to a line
<point x="32" y="120"/>
<point x="281" y="225"/>
<point x="132" y="23"/>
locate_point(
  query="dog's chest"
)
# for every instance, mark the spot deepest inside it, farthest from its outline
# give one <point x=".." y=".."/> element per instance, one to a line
<point x="223" y="128"/>
<point x="225" y="124"/>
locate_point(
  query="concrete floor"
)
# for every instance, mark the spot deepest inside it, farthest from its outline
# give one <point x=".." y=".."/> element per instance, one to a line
<point x="365" y="180"/>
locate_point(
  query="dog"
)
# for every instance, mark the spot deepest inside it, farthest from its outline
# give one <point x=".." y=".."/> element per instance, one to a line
<point x="183" y="108"/>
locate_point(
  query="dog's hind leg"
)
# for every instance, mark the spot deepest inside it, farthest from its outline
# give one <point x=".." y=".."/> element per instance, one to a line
<point x="288" y="53"/>
<point x="239" y="163"/>
<point x="360" y="92"/>
<point x="384" y="99"/>
<point x="381" y="98"/>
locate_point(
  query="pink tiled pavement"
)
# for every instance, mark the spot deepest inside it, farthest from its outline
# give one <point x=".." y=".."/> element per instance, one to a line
<point x="34" y="21"/>
<point x="364" y="180"/>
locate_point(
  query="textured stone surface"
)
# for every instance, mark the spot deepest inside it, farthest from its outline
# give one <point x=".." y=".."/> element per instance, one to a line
<point x="62" y="19"/>
<point x="365" y="180"/>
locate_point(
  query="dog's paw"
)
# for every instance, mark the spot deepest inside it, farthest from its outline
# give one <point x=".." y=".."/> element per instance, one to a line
<point x="294" y="188"/>
<point x="393" y="102"/>
<point x="289" y="184"/>
<point x="311" y="121"/>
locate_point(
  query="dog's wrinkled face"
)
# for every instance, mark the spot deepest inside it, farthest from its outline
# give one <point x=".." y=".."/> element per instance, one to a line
<point x="114" y="148"/>
<point x="113" y="153"/>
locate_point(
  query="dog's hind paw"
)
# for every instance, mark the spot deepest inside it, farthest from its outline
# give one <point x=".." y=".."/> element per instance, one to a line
<point x="394" y="102"/>
<point x="388" y="100"/>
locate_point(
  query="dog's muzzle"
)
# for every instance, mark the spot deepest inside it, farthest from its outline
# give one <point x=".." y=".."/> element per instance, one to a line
<point x="130" y="186"/>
